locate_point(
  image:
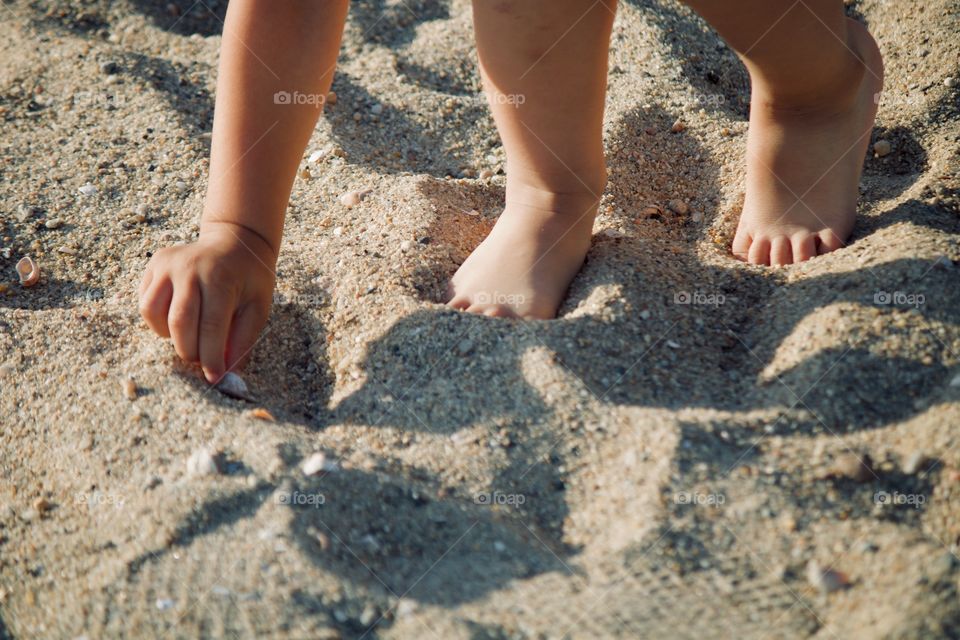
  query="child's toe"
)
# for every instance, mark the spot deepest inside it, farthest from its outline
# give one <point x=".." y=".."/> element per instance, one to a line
<point x="759" y="251"/>
<point x="804" y="246"/>
<point x="829" y="241"/>
<point x="780" y="252"/>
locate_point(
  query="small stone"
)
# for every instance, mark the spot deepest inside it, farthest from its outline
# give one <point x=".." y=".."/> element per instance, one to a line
<point x="42" y="506"/>
<point x="949" y="83"/>
<point x="956" y="381"/>
<point x="679" y="207"/>
<point x="826" y="580"/>
<point x="202" y="463"/>
<point x="725" y="132"/>
<point x="678" y="127"/>
<point x="645" y="314"/>
<point x="376" y="109"/>
<point x="406" y="608"/>
<point x="29" y="515"/>
<point x="180" y="186"/>
<point x="858" y="468"/>
<point x="233" y="385"/>
<point x="916" y="462"/>
<point x="406" y="245"/>
<point x="305" y="173"/>
<point x="485" y="174"/>
<point x="331" y="98"/>
<point x="109" y="68"/>
<point x="88" y="190"/>
<point x="130" y="390"/>
<point x="25" y="212"/>
<point x="317" y="156"/>
<point x="163" y="604"/>
<point x="882" y="148"/>
<point x="473" y="213"/>
<point x="465" y="347"/>
<point x="53" y="223"/>
<point x="338" y="231"/>
<point x="317" y="463"/>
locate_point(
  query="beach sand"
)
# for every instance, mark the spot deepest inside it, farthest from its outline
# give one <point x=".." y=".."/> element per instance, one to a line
<point x="695" y="448"/>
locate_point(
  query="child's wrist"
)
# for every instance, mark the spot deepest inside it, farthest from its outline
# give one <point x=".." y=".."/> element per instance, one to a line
<point x="249" y="237"/>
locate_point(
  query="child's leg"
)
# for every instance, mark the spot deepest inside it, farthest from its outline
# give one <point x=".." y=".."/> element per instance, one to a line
<point x="815" y="76"/>
<point x="544" y="66"/>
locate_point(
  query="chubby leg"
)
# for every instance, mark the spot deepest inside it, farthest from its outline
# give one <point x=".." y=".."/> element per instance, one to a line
<point x="544" y="67"/>
<point x="815" y="78"/>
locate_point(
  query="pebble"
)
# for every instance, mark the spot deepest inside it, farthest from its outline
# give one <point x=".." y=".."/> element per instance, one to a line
<point x="406" y="245"/>
<point x="679" y="207"/>
<point x="316" y="464"/>
<point x="317" y="156"/>
<point x="678" y="127"/>
<point x="130" y="389"/>
<point x="109" y="68"/>
<point x="331" y="98"/>
<point x="25" y="212"/>
<point x="202" y="463"/>
<point x="949" y="83"/>
<point x="882" y="148"/>
<point x="485" y="174"/>
<point x="88" y="190"/>
<point x="473" y="213"/>
<point x="53" y="223"/>
<point x="855" y="467"/>
<point x="180" y="186"/>
<point x="163" y="604"/>
<point x="305" y="173"/>
<point x="956" y="381"/>
<point x="406" y="608"/>
<point x="376" y="109"/>
<point x="338" y="231"/>
<point x="826" y="580"/>
<point x="916" y="462"/>
<point x="233" y="385"/>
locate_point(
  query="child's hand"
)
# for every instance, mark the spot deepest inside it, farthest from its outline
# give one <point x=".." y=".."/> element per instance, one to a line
<point x="212" y="297"/>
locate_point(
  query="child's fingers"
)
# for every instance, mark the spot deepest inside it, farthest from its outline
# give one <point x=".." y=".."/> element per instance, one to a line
<point x="155" y="305"/>
<point x="145" y="281"/>
<point x="244" y="330"/>
<point x="183" y="318"/>
<point x="216" y="309"/>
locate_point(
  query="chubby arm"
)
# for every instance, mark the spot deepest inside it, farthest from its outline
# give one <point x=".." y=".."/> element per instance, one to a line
<point x="213" y="297"/>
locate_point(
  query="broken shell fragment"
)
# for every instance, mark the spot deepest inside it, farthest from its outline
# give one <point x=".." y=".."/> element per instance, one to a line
<point x="262" y="414"/>
<point x="826" y="580"/>
<point x="233" y="385"/>
<point x="316" y="464"/>
<point x="202" y="463"/>
<point x="28" y="271"/>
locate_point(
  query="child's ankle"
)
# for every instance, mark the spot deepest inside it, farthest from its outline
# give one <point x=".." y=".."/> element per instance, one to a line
<point x="831" y="90"/>
<point x="571" y="191"/>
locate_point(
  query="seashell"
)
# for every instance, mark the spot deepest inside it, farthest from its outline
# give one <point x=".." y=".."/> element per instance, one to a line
<point x="316" y="464"/>
<point x="28" y="271"/>
<point x="882" y="148"/>
<point x="826" y="580"/>
<point x="202" y="463"/>
<point x="262" y="414"/>
<point x="233" y="385"/>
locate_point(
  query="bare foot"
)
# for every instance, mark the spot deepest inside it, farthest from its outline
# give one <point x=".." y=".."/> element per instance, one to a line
<point x="523" y="268"/>
<point x="804" y="164"/>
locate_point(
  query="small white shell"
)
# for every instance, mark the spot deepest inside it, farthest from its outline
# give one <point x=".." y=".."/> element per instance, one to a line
<point x="233" y="385"/>
<point x="202" y="463"/>
<point x="28" y="271"/>
<point x="317" y="463"/>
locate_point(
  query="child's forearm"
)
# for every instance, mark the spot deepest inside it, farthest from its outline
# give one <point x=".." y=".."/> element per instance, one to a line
<point x="271" y="49"/>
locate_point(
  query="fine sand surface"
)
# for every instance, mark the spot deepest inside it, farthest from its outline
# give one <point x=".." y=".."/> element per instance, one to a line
<point x="658" y="469"/>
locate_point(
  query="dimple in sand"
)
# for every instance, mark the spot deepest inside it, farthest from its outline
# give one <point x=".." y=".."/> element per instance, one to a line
<point x="815" y="75"/>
